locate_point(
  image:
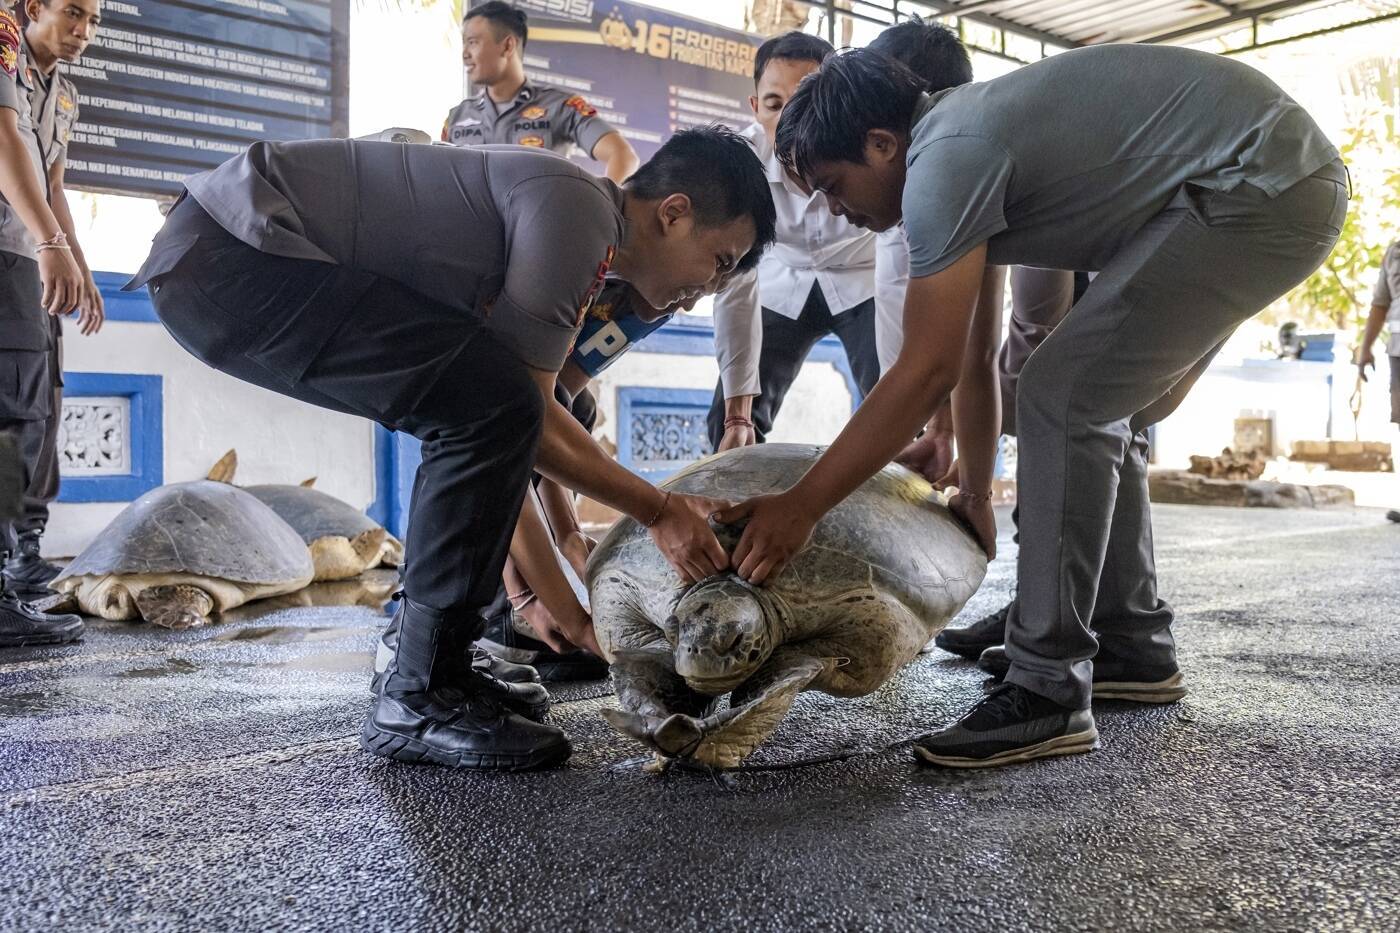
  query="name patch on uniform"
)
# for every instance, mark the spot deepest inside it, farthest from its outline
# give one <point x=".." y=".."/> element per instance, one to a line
<point x="531" y="141"/>
<point x="532" y="125"/>
<point x="584" y="108"/>
<point x="532" y="113"/>
<point x="9" y="43"/>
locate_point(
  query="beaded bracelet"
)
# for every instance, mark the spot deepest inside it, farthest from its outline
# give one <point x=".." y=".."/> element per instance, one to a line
<point x="657" y="517"/>
<point x="738" y="420"/>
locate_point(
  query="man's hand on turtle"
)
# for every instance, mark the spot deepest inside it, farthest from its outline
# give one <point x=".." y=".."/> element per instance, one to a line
<point x="561" y="636"/>
<point x="682" y="532"/>
<point x="930" y="456"/>
<point x="738" y="435"/>
<point x="777" y="529"/>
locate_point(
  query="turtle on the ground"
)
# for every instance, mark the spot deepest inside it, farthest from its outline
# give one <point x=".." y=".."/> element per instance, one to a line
<point x="883" y="573"/>
<point x="344" y="541"/>
<point x="182" y="552"/>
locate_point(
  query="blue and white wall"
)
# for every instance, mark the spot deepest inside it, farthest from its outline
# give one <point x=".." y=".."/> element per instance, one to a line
<point x="139" y="411"/>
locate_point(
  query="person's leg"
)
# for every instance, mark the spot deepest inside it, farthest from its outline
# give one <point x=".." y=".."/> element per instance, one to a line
<point x="855" y="328"/>
<point x="786" y="343"/>
<point x="1395" y="389"/>
<point x="1159" y="307"/>
<point x="28" y="570"/>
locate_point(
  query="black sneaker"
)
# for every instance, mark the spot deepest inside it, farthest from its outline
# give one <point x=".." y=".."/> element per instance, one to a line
<point x="1393" y="515"/>
<point x="976" y="638"/>
<point x="460" y="728"/>
<point x="1010" y="725"/>
<point x="26" y="573"/>
<point x="1113" y="679"/>
<point x="21" y="625"/>
<point x="505" y="641"/>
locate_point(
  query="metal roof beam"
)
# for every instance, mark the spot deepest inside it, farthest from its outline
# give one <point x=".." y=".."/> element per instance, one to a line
<point x="1242" y="15"/>
<point x="948" y="8"/>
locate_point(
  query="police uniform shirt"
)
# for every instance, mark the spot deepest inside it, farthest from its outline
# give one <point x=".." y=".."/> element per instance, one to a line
<point x="1387" y="295"/>
<point x="53" y="103"/>
<point x="541" y="116"/>
<point x="523" y="238"/>
<point x="1059" y="163"/>
<point x="16" y="84"/>
<point x="21" y="327"/>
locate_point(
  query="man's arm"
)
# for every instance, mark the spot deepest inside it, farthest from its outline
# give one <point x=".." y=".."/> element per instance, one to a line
<point x="977" y="409"/>
<point x="738" y="345"/>
<point x="91" y="312"/>
<point x="938" y="316"/>
<point x="677" y="523"/>
<point x="617" y="154"/>
<point x="1374" y="323"/>
<point x="59" y="273"/>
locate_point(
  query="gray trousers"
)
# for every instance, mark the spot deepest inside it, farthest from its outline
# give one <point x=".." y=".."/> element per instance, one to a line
<point x="1154" y="315"/>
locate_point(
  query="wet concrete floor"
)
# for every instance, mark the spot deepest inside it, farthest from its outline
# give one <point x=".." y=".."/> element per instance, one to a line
<point x="210" y="780"/>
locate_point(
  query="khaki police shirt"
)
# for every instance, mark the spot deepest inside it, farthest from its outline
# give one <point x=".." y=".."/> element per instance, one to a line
<point x="16" y="86"/>
<point x="1387" y="295"/>
<point x="53" y="102"/>
<point x="519" y="237"/>
<point x="541" y="116"/>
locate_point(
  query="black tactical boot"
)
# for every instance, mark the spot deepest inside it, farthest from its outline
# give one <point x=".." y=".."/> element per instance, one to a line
<point x="21" y="624"/>
<point x="976" y="638"/>
<point x="435" y="707"/>
<point x="478" y="657"/>
<point x="26" y="573"/>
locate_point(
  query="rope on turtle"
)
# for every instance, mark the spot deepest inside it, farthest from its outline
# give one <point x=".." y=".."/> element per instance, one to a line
<point x="718" y="774"/>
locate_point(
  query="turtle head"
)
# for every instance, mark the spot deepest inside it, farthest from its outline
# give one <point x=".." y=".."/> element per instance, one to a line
<point x="723" y="630"/>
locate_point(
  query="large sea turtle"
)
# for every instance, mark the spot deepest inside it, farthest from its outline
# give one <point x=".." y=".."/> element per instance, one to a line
<point x="884" y="572"/>
<point x="183" y="551"/>
<point x="344" y="541"/>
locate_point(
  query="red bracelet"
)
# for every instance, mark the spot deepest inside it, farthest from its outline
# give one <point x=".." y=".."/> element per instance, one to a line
<point x="738" y="420"/>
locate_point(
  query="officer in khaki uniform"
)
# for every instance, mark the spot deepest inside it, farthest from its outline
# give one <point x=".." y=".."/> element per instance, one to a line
<point x="37" y="275"/>
<point x="52" y="35"/>
<point x="511" y="109"/>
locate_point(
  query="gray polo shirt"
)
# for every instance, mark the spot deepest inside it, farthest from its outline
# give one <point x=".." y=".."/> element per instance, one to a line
<point x="16" y="85"/>
<point x="523" y="238"/>
<point x="541" y="116"/>
<point x="1387" y="295"/>
<point x="1059" y="163"/>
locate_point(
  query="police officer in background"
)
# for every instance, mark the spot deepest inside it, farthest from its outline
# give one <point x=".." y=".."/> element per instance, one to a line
<point x="37" y="275"/>
<point x="54" y="33"/>
<point x="513" y="109"/>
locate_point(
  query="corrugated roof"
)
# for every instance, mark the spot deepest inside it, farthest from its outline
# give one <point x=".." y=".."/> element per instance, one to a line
<point x="1090" y="22"/>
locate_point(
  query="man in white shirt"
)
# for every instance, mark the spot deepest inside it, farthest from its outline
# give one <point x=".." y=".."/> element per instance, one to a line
<point x="818" y="278"/>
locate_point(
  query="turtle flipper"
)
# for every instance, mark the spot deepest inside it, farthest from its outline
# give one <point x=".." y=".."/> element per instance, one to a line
<point x="756" y="708"/>
<point x="647" y="684"/>
<point x="175" y="606"/>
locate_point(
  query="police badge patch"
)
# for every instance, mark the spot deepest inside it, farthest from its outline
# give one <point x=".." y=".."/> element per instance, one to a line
<point x="9" y="43"/>
<point x="597" y="285"/>
<point x="537" y="141"/>
<point x="584" y="108"/>
<point x="532" y="113"/>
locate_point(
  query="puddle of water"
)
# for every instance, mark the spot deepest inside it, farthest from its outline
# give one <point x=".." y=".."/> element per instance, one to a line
<point x="171" y="667"/>
<point x="352" y="662"/>
<point x="26" y="704"/>
<point x="289" y="634"/>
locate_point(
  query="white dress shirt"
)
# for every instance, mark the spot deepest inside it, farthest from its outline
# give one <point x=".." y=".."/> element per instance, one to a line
<point x="812" y="245"/>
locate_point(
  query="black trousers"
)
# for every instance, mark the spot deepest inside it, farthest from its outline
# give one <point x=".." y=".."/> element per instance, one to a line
<point x="44" y="481"/>
<point x="356" y="343"/>
<point x="786" y="343"/>
<point x="26" y="391"/>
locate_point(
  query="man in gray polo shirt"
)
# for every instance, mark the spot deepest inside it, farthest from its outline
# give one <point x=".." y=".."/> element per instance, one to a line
<point x="1385" y="313"/>
<point x="1197" y="189"/>
<point x="512" y="109"/>
<point x="437" y="291"/>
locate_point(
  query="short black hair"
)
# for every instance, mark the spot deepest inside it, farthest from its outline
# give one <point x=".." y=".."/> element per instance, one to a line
<point x="930" y="50"/>
<point x="721" y="174"/>
<point x="794" y="46"/>
<point x="503" y="16"/>
<point x="853" y="92"/>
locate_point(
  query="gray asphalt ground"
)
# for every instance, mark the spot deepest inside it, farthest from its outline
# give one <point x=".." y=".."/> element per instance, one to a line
<point x="210" y="780"/>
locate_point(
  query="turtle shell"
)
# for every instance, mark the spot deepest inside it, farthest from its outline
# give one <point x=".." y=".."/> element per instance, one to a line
<point x="894" y="533"/>
<point x="205" y="528"/>
<point x="311" y="513"/>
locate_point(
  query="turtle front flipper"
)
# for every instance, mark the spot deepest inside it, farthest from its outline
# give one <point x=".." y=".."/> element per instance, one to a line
<point x="175" y="605"/>
<point x="649" y="691"/>
<point x="725" y="738"/>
